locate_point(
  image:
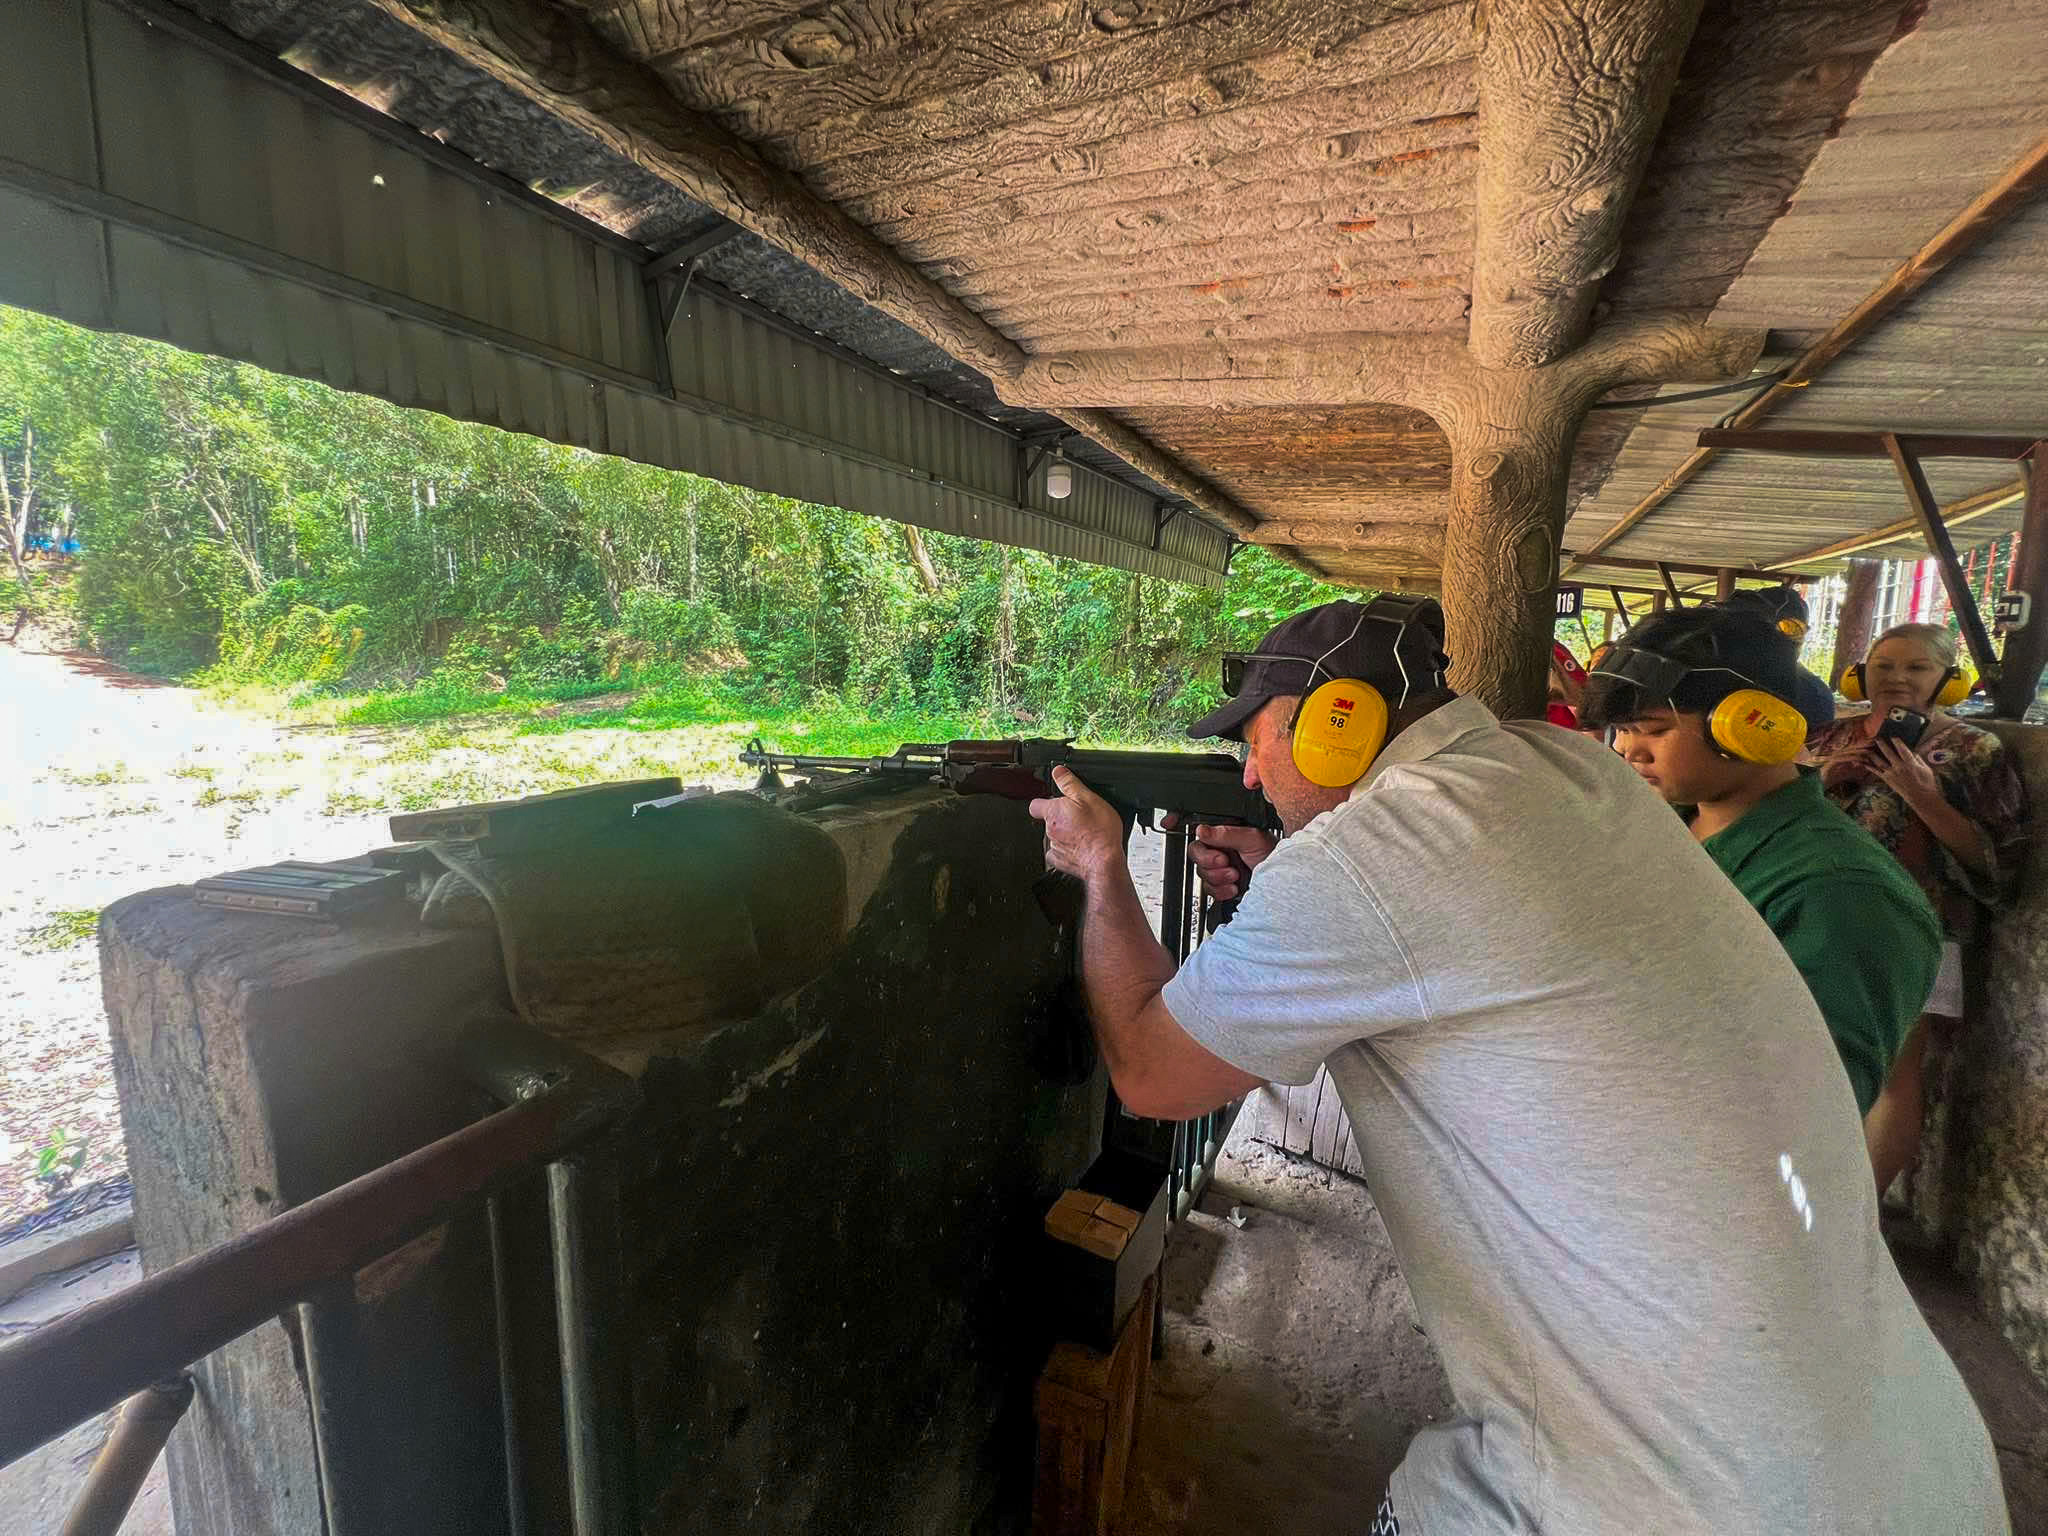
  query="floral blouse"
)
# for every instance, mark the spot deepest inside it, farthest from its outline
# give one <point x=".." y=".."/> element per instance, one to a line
<point x="1977" y="777"/>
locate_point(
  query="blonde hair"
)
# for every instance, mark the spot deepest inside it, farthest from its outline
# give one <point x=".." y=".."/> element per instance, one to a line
<point x="1934" y="636"/>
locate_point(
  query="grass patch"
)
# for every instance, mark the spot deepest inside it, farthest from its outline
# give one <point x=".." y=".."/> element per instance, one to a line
<point x="202" y="771"/>
<point x="443" y="698"/>
<point x="64" y="928"/>
<point x="117" y="773"/>
<point x="247" y="799"/>
<point x="347" y="802"/>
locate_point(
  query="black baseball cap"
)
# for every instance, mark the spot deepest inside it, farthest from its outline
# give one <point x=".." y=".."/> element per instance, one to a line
<point x="1774" y="603"/>
<point x="1394" y="643"/>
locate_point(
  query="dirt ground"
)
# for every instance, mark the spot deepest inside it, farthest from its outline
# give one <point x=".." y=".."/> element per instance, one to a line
<point x="1295" y="1370"/>
<point x="116" y="783"/>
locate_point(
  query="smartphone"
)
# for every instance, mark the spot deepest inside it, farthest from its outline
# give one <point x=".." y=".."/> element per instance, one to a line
<point x="1903" y="725"/>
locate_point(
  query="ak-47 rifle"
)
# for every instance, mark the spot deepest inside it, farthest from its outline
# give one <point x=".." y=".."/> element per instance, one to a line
<point x="1198" y="787"/>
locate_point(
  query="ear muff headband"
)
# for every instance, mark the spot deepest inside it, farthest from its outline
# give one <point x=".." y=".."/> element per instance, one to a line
<point x="1341" y="726"/>
<point x="1749" y="725"/>
<point x="1955" y="687"/>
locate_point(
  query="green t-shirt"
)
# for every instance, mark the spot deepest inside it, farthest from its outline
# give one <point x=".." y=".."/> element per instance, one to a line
<point x="1848" y="914"/>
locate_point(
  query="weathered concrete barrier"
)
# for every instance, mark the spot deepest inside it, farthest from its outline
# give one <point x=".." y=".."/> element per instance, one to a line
<point x="1993" y="1203"/>
<point x="828" y="1200"/>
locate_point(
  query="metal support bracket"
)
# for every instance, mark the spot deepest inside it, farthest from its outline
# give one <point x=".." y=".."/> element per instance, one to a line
<point x="1670" y="586"/>
<point x="665" y="303"/>
<point x="1927" y="512"/>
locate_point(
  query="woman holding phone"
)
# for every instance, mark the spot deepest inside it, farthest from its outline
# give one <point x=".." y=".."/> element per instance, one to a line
<point x="1944" y="797"/>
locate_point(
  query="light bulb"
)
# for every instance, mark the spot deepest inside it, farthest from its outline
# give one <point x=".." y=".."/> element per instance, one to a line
<point x="1059" y="479"/>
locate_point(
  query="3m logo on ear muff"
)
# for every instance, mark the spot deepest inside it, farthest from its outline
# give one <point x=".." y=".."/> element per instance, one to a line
<point x="1757" y="727"/>
<point x="1956" y="684"/>
<point x="1338" y="730"/>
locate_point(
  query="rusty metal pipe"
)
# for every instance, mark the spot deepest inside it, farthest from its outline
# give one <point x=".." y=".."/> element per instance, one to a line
<point x="597" y="1418"/>
<point x="66" y="1372"/>
<point x="146" y="1422"/>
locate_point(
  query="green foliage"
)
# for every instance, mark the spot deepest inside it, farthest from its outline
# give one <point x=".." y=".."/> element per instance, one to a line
<point x="677" y="629"/>
<point x="253" y="529"/>
<point x="276" y="638"/>
<point x="59" y="1159"/>
<point x="62" y="929"/>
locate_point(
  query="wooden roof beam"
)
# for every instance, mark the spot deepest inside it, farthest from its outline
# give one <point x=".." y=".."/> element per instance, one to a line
<point x="556" y="60"/>
<point x="1968" y="229"/>
<point x="1429" y="373"/>
<point x="1864" y="445"/>
<point x="1742" y="572"/>
<point x="1571" y="94"/>
<point x="1980" y="503"/>
<point x="1420" y="543"/>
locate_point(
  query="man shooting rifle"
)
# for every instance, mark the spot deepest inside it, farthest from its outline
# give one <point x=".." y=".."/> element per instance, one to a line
<point x="1619" y="1163"/>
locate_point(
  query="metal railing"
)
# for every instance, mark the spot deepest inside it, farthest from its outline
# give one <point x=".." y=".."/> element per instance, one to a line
<point x="1187" y="916"/>
<point x="138" y="1344"/>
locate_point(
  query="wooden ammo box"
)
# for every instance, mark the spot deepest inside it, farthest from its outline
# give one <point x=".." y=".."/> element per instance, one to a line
<point x="1103" y="1239"/>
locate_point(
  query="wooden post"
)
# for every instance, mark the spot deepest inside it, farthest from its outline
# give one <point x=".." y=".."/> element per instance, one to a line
<point x="1657" y="602"/>
<point x="1724" y="584"/>
<point x="2026" y="648"/>
<point x="1090" y="1405"/>
<point x="1670" y="588"/>
<point x="1853" y="627"/>
<point x="1920" y="497"/>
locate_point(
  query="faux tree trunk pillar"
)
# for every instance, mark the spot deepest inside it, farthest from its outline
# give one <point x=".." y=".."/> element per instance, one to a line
<point x="2026" y="648"/>
<point x="1511" y="439"/>
<point x="1852" y="629"/>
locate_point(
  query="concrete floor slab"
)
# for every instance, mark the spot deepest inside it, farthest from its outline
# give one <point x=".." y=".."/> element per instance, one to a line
<point x="36" y="1492"/>
<point x="1295" y="1369"/>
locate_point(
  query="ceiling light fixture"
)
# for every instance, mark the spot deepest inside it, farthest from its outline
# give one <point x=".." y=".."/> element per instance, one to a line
<point x="1059" y="478"/>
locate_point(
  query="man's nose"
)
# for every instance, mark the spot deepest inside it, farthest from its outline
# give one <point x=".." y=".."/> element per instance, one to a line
<point x="1251" y="772"/>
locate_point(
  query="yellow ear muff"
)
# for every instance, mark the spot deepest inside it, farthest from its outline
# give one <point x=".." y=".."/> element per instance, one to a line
<point x="1796" y="628"/>
<point x="1955" y="687"/>
<point x="1338" y="731"/>
<point x="1757" y="727"/>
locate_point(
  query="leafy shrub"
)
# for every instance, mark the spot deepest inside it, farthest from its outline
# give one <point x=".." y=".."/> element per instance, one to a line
<point x="676" y="629"/>
<point x="301" y="644"/>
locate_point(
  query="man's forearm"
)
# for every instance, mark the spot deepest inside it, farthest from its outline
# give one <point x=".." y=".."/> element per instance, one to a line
<point x="1123" y="966"/>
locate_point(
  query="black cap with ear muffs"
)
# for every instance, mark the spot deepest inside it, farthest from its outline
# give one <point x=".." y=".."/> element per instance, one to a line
<point x="1394" y="643"/>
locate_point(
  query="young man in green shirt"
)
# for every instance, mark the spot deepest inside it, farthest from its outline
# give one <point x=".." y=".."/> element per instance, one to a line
<point x="1677" y="692"/>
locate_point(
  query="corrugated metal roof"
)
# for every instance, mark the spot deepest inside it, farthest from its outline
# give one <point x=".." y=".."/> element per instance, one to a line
<point x="1940" y="116"/>
<point x="168" y="189"/>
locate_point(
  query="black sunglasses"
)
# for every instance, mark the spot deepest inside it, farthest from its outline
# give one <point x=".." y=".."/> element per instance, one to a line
<point x="1237" y="663"/>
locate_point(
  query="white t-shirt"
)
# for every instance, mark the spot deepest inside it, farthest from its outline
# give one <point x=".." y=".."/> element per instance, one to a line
<point x="1616" y="1151"/>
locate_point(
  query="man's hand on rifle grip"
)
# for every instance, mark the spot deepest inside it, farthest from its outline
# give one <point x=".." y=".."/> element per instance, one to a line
<point x="1224" y="857"/>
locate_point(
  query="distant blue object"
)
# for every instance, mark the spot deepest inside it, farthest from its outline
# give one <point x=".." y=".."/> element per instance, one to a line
<point x="70" y="546"/>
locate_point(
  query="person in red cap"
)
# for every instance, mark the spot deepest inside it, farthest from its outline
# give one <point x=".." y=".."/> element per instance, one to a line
<point x="1621" y="1168"/>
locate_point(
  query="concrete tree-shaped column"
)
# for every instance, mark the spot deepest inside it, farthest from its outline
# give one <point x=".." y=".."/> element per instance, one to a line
<point x="1511" y="432"/>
